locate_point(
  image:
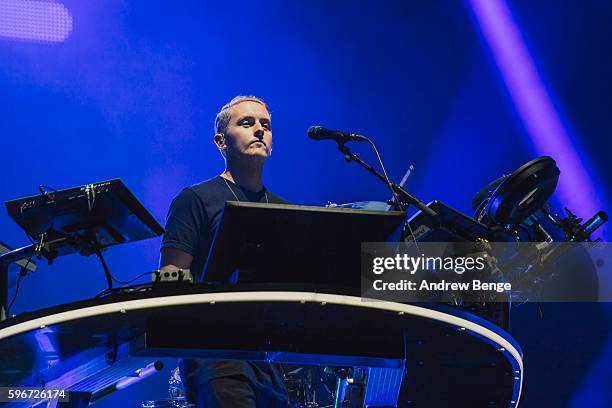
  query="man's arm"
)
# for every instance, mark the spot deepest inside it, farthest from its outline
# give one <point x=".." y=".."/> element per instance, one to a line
<point x="172" y="259"/>
<point x="186" y="218"/>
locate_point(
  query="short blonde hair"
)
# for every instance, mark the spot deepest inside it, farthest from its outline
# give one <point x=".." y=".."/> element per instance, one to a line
<point x="223" y="117"/>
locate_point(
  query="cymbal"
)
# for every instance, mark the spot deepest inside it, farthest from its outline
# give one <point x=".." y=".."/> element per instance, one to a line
<point x="511" y="199"/>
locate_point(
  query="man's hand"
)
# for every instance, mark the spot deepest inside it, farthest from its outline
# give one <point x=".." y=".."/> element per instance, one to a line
<point x="173" y="259"/>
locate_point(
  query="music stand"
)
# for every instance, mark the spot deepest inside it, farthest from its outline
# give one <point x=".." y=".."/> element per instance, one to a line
<point x="85" y="220"/>
<point x="284" y="243"/>
<point x="82" y="219"/>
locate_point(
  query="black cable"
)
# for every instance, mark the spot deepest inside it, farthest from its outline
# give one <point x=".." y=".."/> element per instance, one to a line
<point x="540" y="310"/>
<point x="8" y="309"/>
<point x="22" y="272"/>
<point x="382" y="166"/>
<point x="110" y="278"/>
<point x="390" y="185"/>
<point x="107" y="274"/>
<point x="134" y="279"/>
<point x="140" y="287"/>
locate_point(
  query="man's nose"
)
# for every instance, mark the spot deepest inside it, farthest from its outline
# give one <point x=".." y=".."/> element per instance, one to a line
<point x="259" y="131"/>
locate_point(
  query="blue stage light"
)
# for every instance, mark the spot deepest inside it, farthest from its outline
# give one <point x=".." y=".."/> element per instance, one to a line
<point x="37" y="21"/>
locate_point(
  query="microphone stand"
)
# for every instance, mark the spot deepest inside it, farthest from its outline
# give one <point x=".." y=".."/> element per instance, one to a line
<point x="404" y="198"/>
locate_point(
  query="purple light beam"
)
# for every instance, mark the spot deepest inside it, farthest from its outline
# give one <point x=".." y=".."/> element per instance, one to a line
<point x="534" y="107"/>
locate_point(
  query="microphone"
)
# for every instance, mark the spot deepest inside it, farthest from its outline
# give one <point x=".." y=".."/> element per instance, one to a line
<point x="320" y="133"/>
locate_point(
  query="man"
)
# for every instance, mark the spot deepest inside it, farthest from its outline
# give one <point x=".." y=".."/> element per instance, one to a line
<point x="243" y="134"/>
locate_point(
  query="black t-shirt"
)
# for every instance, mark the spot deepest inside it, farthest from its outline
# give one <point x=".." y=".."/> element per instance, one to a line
<point x="195" y="214"/>
<point x="191" y="223"/>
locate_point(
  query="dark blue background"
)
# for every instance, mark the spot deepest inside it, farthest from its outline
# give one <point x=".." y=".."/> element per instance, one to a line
<point x="133" y="91"/>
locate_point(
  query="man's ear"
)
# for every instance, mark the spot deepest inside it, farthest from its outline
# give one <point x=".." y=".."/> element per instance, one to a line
<point x="219" y="140"/>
